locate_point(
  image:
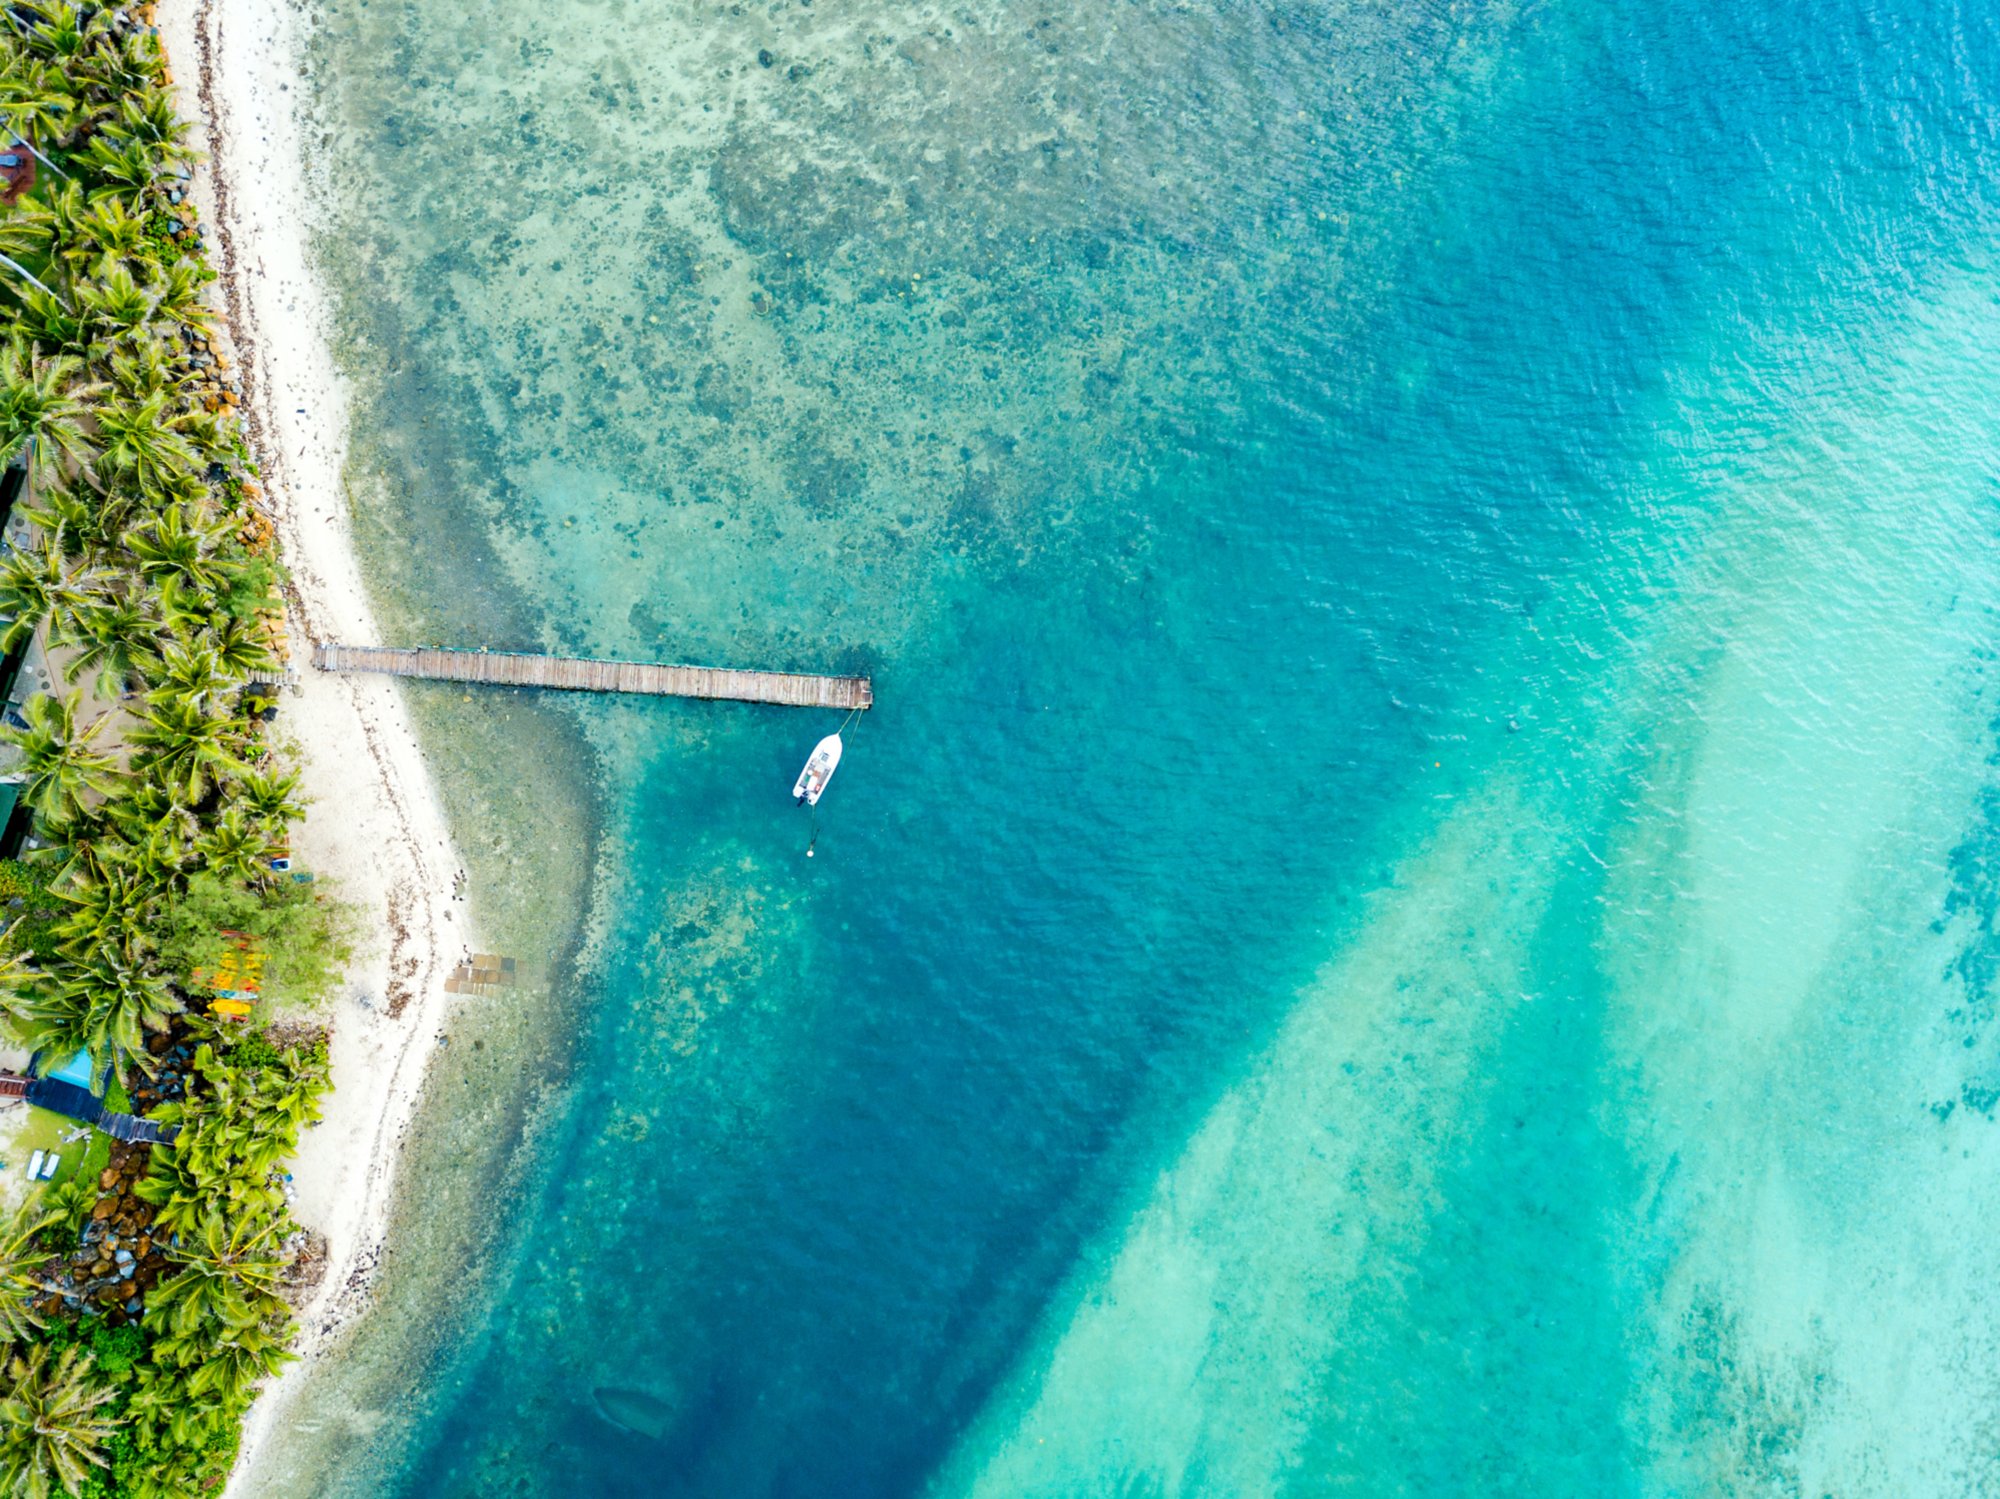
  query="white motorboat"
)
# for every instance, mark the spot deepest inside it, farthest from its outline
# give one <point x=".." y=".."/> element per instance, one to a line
<point x="819" y="770"/>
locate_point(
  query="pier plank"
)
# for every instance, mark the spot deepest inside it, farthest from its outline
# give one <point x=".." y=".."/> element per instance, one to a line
<point x="582" y="674"/>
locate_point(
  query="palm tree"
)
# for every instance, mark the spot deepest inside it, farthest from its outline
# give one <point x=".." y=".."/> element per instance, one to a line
<point x="142" y="440"/>
<point x="114" y="911"/>
<point x="71" y="243"/>
<point x="70" y="34"/>
<point x="125" y="165"/>
<point x="62" y="766"/>
<point x="17" y="975"/>
<point x="54" y="324"/>
<point x="234" y="1132"/>
<point x="110" y="231"/>
<point x="236" y="847"/>
<point x="180" y="298"/>
<point x="103" y="1005"/>
<point x="36" y="584"/>
<point x="50" y="1432"/>
<point x="234" y="1366"/>
<point x="35" y="101"/>
<point x="255" y="1113"/>
<point x="69" y="1204"/>
<point x="40" y="409"/>
<point x="180" y="542"/>
<point x="149" y="366"/>
<point x="179" y="1435"/>
<point x="22" y="1002"/>
<point x="70" y="515"/>
<point x="209" y="431"/>
<point x="158" y="826"/>
<point x="241" y="647"/>
<point x="186" y="670"/>
<point x="23" y="1272"/>
<point x="189" y="486"/>
<point x="117" y="304"/>
<point x="184" y="746"/>
<point x="28" y="229"/>
<point x="184" y="613"/>
<point x="271" y="797"/>
<point x="228" y="1281"/>
<point x="111" y="631"/>
<point x="148" y="113"/>
<point x="124" y="61"/>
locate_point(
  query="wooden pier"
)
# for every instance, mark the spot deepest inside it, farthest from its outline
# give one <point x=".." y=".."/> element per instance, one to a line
<point x="578" y="674"/>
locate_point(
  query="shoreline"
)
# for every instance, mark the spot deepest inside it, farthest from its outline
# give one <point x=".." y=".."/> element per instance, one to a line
<point x="375" y="825"/>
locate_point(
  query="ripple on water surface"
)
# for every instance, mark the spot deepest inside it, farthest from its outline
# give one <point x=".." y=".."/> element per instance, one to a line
<point x="1413" y="918"/>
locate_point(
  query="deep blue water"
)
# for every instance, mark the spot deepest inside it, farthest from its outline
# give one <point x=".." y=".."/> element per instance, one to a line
<point x="1429" y="574"/>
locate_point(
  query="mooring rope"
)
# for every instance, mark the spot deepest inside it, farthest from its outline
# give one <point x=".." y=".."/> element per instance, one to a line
<point x="813" y="807"/>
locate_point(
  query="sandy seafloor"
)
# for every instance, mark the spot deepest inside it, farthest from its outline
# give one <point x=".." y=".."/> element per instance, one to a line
<point x="1415" y="916"/>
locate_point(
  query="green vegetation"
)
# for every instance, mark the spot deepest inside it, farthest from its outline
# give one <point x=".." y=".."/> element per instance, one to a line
<point x="304" y="938"/>
<point x="141" y="1297"/>
<point x="52" y="1427"/>
<point x="21" y="1275"/>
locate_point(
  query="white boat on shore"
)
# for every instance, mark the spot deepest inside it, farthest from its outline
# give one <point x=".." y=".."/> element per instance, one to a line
<point x="820" y="766"/>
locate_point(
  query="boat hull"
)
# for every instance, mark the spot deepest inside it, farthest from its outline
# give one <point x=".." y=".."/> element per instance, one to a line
<point x="820" y="766"/>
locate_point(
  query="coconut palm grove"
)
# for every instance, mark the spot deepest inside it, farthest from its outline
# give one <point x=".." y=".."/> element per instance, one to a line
<point x="142" y="1291"/>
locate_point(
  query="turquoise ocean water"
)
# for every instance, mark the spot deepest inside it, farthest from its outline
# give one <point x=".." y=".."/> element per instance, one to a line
<point x="1416" y="914"/>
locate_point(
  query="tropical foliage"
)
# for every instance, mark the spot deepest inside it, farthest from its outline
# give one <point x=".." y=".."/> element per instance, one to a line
<point x="157" y="801"/>
<point x="52" y="1431"/>
<point x="22" y="1274"/>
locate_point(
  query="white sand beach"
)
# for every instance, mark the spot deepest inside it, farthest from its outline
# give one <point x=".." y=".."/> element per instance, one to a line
<point x="375" y="828"/>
